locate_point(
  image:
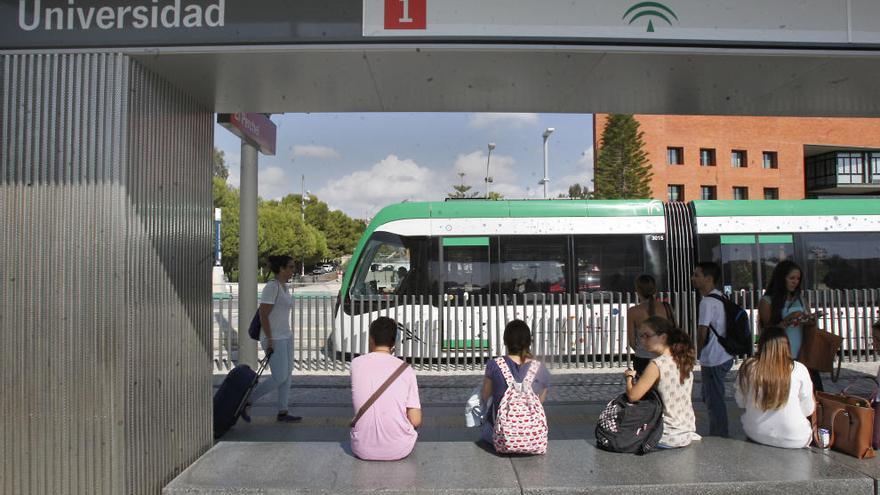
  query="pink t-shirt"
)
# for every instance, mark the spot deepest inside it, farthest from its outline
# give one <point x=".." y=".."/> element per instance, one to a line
<point x="383" y="433"/>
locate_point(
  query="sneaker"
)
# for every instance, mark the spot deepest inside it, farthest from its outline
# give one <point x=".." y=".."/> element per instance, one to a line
<point x="287" y="418"/>
<point x="245" y="413"/>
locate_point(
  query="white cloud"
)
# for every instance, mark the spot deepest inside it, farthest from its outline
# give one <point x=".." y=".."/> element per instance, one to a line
<point x="583" y="175"/>
<point x="233" y="164"/>
<point x="315" y="151"/>
<point x="482" y="120"/>
<point x="392" y="180"/>
<point x="274" y="183"/>
<point x="500" y="169"/>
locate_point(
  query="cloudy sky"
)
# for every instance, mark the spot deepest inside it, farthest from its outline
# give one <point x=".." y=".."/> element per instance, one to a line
<point x="360" y="162"/>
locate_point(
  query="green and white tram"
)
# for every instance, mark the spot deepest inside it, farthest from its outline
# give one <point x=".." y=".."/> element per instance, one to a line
<point x="453" y="272"/>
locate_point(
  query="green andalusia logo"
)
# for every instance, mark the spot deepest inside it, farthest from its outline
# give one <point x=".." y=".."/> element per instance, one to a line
<point x="649" y="10"/>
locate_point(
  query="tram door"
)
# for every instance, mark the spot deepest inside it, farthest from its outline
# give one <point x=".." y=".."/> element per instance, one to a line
<point x="748" y="260"/>
<point x="465" y="277"/>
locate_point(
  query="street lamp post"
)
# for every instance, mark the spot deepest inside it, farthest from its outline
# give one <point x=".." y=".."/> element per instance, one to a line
<point x="302" y="198"/>
<point x="488" y="157"/>
<point x="546" y="179"/>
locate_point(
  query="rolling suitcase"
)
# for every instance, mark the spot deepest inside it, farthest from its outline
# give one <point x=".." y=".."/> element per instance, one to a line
<point x="233" y="394"/>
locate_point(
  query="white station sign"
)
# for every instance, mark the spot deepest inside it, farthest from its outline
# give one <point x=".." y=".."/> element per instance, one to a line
<point x="816" y="22"/>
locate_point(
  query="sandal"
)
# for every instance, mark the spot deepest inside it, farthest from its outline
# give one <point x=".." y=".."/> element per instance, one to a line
<point x="287" y="418"/>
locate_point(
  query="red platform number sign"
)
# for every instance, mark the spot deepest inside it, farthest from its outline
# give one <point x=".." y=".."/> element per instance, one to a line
<point x="405" y="14"/>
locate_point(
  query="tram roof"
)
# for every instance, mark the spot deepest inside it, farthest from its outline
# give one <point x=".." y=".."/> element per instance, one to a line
<point x="782" y="208"/>
<point x="481" y="208"/>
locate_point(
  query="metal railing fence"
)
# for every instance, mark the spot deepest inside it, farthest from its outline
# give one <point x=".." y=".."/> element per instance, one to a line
<point x="586" y="330"/>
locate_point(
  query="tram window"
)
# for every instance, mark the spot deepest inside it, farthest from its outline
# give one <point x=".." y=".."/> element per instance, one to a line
<point x="391" y="265"/>
<point x="842" y="260"/>
<point x="773" y="249"/>
<point x="739" y="262"/>
<point x="609" y="262"/>
<point x="464" y="269"/>
<point x="531" y="264"/>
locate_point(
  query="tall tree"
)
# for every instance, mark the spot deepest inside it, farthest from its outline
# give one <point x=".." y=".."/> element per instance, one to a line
<point x="462" y="190"/>
<point x="622" y="168"/>
<point x="220" y="169"/>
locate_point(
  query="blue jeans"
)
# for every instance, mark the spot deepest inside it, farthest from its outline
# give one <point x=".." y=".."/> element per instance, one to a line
<point x="713" y="396"/>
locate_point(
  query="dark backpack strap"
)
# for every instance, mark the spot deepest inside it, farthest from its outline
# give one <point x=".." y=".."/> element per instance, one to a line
<point x="377" y="393"/>
<point x="724" y="302"/>
<point x="670" y="313"/>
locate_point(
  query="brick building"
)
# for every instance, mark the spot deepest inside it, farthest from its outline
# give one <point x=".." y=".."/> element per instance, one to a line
<point x="720" y="157"/>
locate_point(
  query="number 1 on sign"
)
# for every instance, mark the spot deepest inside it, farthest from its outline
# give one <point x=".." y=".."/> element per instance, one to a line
<point x="405" y="16"/>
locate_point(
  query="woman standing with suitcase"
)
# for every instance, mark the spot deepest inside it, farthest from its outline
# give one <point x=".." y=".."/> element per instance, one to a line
<point x="276" y="337"/>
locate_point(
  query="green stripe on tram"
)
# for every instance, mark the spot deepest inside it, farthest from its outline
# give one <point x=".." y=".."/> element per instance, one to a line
<point x="786" y="208"/>
<point x="465" y="241"/>
<point x="762" y="239"/>
<point x="775" y="239"/>
<point x="465" y="344"/>
<point x="738" y="239"/>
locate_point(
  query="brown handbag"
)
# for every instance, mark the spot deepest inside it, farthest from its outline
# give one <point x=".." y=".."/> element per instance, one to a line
<point x="819" y="348"/>
<point x="849" y="419"/>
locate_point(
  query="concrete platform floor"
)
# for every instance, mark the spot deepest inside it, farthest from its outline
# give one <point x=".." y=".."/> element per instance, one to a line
<point x="313" y="457"/>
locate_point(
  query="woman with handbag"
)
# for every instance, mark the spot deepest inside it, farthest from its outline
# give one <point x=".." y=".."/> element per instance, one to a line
<point x="782" y="306"/>
<point x="777" y="394"/>
<point x="276" y="337"/>
<point x="648" y="306"/>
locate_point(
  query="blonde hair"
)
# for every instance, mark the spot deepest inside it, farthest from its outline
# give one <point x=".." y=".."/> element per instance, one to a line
<point x="767" y="376"/>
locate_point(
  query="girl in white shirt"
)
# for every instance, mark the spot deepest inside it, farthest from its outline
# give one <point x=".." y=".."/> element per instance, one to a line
<point x="777" y="394"/>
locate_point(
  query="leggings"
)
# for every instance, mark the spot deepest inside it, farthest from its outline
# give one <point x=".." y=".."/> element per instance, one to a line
<point x="281" y="365"/>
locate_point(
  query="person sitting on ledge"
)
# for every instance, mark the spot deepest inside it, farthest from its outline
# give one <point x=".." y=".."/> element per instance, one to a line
<point x="386" y="430"/>
<point x="671" y="372"/>
<point x="777" y="394"/>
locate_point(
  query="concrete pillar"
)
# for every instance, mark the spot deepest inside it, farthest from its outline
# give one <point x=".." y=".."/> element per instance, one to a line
<point x="247" y="254"/>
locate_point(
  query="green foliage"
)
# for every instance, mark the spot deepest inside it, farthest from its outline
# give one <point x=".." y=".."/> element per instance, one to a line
<point x="495" y="196"/>
<point x="577" y="191"/>
<point x="622" y="168"/>
<point x="462" y="191"/>
<point x="325" y="234"/>
<point x="220" y="170"/>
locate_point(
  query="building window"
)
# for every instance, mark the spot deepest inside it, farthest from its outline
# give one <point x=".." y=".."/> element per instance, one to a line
<point x="675" y="192"/>
<point x="738" y="159"/>
<point x="771" y="193"/>
<point x="740" y="192"/>
<point x="707" y="157"/>
<point x="675" y="156"/>
<point x="708" y="193"/>
<point x="770" y="159"/>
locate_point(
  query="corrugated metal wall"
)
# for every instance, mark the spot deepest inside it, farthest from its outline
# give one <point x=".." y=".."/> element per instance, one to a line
<point x="105" y="204"/>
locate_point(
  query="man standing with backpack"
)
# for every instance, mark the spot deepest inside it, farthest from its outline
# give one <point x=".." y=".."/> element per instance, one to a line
<point x="715" y="362"/>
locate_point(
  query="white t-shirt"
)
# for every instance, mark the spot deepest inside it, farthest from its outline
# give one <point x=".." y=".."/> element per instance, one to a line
<point x="787" y="427"/>
<point x="711" y="313"/>
<point x="279" y="318"/>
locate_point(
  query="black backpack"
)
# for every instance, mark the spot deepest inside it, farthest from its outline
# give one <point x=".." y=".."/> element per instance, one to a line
<point x="631" y="427"/>
<point x="739" y="339"/>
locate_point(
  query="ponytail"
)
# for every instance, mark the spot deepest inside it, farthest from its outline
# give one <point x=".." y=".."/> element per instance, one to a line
<point x="683" y="353"/>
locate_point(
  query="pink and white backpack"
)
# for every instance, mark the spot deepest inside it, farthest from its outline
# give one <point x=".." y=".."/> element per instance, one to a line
<point x="520" y="424"/>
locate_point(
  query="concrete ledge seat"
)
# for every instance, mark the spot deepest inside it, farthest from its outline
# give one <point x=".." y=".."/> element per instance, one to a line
<point x="710" y="466"/>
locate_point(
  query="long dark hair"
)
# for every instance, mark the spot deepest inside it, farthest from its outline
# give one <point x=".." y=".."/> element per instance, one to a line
<point x="777" y="290"/>
<point x="518" y="339"/>
<point x="680" y="345"/>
